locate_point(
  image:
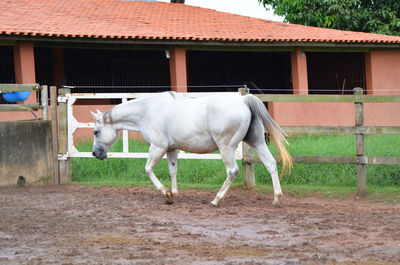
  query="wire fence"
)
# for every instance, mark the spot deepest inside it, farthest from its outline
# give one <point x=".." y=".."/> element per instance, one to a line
<point x="226" y="87"/>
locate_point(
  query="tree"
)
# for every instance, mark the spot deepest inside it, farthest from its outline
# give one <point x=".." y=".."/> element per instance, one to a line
<point x="376" y="16"/>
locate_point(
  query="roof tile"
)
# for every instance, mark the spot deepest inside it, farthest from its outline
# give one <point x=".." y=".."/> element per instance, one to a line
<point x="157" y="20"/>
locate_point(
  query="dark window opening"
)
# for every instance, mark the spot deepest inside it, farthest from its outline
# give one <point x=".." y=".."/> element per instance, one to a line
<point x="44" y="66"/>
<point x="6" y="68"/>
<point x="113" y="71"/>
<point x="218" y="71"/>
<point x="335" y="72"/>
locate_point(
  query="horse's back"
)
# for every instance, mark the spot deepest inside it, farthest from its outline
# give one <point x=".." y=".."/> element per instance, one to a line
<point x="227" y="110"/>
<point x="200" y="124"/>
<point x="180" y="122"/>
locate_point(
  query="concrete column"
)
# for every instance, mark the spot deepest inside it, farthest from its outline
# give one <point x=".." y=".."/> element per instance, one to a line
<point x="299" y="72"/>
<point x="24" y="64"/>
<point x="299" y="83"/>
<point x="58" y="67"/>
<point x="177" y="68"/>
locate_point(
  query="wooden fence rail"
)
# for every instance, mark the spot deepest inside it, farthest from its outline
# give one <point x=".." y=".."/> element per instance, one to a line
<point x="4" y="88"/>
<point x="359" y="130"/>
<point x="18" y="87"/>
<point x="330" y="98"/>
<point x="341" y="130"/>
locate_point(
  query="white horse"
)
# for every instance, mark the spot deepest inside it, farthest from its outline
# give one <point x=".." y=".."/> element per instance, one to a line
<point x="169" y="121"/>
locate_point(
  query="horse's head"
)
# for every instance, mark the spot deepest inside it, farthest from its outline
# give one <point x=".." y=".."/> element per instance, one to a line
<point x="105" y="135"/>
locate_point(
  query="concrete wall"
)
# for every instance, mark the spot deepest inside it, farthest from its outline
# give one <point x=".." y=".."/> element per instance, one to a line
<point x="382" y="69"/>
<point x="333" y="114"/>
<point x="26" y="150"/>
<point x="312" y="113"/>
<point x="19" y="115"/>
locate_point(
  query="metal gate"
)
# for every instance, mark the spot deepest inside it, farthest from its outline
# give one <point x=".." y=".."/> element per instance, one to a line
<point x="73" y="124"/>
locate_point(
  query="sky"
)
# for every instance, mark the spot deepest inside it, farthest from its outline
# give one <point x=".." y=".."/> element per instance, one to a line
<point x="249" y="8"/>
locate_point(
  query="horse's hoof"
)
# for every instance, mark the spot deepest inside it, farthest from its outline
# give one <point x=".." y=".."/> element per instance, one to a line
<point x="169" y="198"/>
<point x="214" y="204"/>
<point x="276" y="204"/>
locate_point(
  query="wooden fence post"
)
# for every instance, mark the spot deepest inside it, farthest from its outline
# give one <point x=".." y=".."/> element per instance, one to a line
<point x="65" y="162"/>
<point x="360" y="147"/>
<point x="44" y="97"/>
<point x="54" y="129"/>
<point x="249" y="179"/>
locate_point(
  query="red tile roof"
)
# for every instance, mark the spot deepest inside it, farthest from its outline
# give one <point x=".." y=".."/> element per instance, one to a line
<point x="121" y="19"/>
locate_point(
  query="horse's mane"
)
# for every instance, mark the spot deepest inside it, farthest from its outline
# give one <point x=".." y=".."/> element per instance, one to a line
<point x="173" y="94"/>
<point x="107" y="118"/>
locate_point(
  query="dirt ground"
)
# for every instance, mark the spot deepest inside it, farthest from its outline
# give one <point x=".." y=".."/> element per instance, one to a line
<point x="75" y="224"/>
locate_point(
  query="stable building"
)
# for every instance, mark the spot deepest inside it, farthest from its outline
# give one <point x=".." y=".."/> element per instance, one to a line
<point x="140" y="46"/>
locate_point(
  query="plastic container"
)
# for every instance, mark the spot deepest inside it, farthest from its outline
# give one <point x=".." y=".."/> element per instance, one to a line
<point x="16" y="96"/>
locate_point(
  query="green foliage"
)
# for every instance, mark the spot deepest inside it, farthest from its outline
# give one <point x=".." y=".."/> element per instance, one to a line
<point x="375" y="16"/>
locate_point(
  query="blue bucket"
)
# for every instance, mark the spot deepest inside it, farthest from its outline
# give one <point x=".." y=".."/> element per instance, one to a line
<point x="16" y="96"/>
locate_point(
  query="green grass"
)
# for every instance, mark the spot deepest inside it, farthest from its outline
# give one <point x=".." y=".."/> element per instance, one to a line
<point x="342" y="174"/>
<point x="210" y="174"/>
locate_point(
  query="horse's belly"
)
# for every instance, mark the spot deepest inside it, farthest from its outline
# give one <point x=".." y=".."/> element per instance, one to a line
<point x="196" y="144"/>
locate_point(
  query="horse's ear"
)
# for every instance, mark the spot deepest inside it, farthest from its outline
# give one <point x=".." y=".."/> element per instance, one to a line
<point x="95" y="115"/>
<point x="99" y="112"/>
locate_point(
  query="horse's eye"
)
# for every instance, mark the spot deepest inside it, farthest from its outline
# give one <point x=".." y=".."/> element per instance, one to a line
<point x="95" y="132"/>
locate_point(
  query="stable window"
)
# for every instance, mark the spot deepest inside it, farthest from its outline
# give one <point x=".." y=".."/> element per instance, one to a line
<point x="262" y="72"/>
<point x="115" y="71"/>
<point x="335" y="72"/>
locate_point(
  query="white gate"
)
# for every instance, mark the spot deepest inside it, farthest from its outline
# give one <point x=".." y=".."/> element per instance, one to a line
<point x="74" y="124"/>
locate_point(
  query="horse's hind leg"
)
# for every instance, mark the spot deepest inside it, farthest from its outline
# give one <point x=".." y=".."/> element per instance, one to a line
<point x="173" y="169"/>
<point x="255" y="138"/>
<point x="232" y="169"/>
<point x="270" y="164"/>
<point x="155" y="155"/>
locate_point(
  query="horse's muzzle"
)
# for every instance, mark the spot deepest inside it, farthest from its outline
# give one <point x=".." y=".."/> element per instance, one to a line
<point x="99" y="155"/>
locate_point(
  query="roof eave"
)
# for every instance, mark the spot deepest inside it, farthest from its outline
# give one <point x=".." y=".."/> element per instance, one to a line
<point x="190" y="42"/>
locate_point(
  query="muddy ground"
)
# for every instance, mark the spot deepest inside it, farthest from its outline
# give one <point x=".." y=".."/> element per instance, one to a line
<point x="74" y="224"/>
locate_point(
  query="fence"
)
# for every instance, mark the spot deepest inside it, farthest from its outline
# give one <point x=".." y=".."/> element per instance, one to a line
<point x="359" y="130"/>
<point x="27" y="147"/>
<point x="69" y="124"/>
<point x="18" y="88"/>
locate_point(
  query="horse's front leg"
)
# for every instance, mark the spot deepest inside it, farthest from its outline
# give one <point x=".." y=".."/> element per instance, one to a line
<point x="155" y="155"/>
<point x="173" y="169"/>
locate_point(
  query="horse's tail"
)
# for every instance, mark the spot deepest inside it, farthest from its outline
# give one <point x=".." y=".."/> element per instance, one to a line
<point x="277" y="135"/>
